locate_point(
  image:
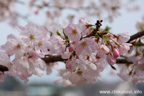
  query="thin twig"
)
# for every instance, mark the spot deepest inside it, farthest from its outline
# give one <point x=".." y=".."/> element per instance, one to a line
<point x="98" y="25"/>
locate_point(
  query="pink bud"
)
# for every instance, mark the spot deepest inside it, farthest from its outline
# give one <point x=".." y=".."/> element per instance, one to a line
<point x="111" y="60"/>
<point x="71" y="48"/>
<point x="104" y="48"/>
<point x="97" y="57"/>
<point x="116" y="52"/>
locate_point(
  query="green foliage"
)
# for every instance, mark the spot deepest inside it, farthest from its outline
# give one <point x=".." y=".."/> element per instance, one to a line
<point x="107" y="29"/>
<point x="139" y="44"/>
<point x="141" y="28"/>
<point x="66" y="37"/>
<point x="59" y="34"/>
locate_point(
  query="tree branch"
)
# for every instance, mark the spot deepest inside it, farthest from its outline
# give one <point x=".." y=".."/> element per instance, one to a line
<point x="58" y="58"/>
<point x="98" y="25"/>
<point x="122" y="61"/>
<point x="3" y="68"/>
<point x="52" y="59"/>
<point x="135" y="36"/>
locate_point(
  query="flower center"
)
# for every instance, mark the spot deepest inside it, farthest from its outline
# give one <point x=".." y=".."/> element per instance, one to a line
<point x="18" y="46"/>
<point x="40" y="44"/>
<point x="32" y="37"/>
<point x="83" y="44"/>
<point x="74" y="32"/>
<point x="79" y="73"/>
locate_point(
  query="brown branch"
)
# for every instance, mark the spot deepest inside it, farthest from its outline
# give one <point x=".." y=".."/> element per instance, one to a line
<point x="58" y="58"/>
<point x="52" y="59"/>
<point x="123" y="61"/>
<point x="3" y="68"/>
<point x="135" y="36"/>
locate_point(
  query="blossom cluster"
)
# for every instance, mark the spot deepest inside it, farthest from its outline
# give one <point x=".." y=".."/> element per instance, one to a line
<point x="133" y="71"/>
<point x="86" y="56"/>
<point x="90" y="55"/>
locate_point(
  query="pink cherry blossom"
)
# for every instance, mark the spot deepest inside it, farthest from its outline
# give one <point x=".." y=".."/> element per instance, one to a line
<point x="32" y="34"/>
<point x="72" y="32"/>
<point x="124" y="48"/>
<point x="123" y="38"/>
<point x="85" y="46"/>
<point x="102" y="50"/>
<point x="14" y="45"/>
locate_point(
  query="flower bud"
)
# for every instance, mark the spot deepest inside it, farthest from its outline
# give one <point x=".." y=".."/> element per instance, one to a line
<point x="111" y="60"/>
<point x="116" y="52"/>
<point x="105" y="49"/>
<point x="71" y="48"/>
<point x="97" y="57"/>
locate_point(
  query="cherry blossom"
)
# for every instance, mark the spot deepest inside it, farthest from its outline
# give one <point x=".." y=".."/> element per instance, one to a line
<point x="85" y="49"/>
<point x="73" y="32"/>
<point x="132" y="73"/>
<point x="32" y="34"/>
<point x="85" y="46"/>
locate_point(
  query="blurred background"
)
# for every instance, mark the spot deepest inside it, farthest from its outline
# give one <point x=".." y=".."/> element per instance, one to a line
<point x="125" y="21"/>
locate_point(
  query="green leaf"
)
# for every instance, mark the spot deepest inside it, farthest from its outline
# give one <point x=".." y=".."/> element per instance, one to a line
<point x="113" y="67"/>
<point x="92" y="28"/>
<point x="66" y="37"/>
<point x="97" y="36"/>
<point x="107" y="29"/>
<point x="141" y="28"/>
<point x="59" y="34"/>
<point x="139" y="44"/>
